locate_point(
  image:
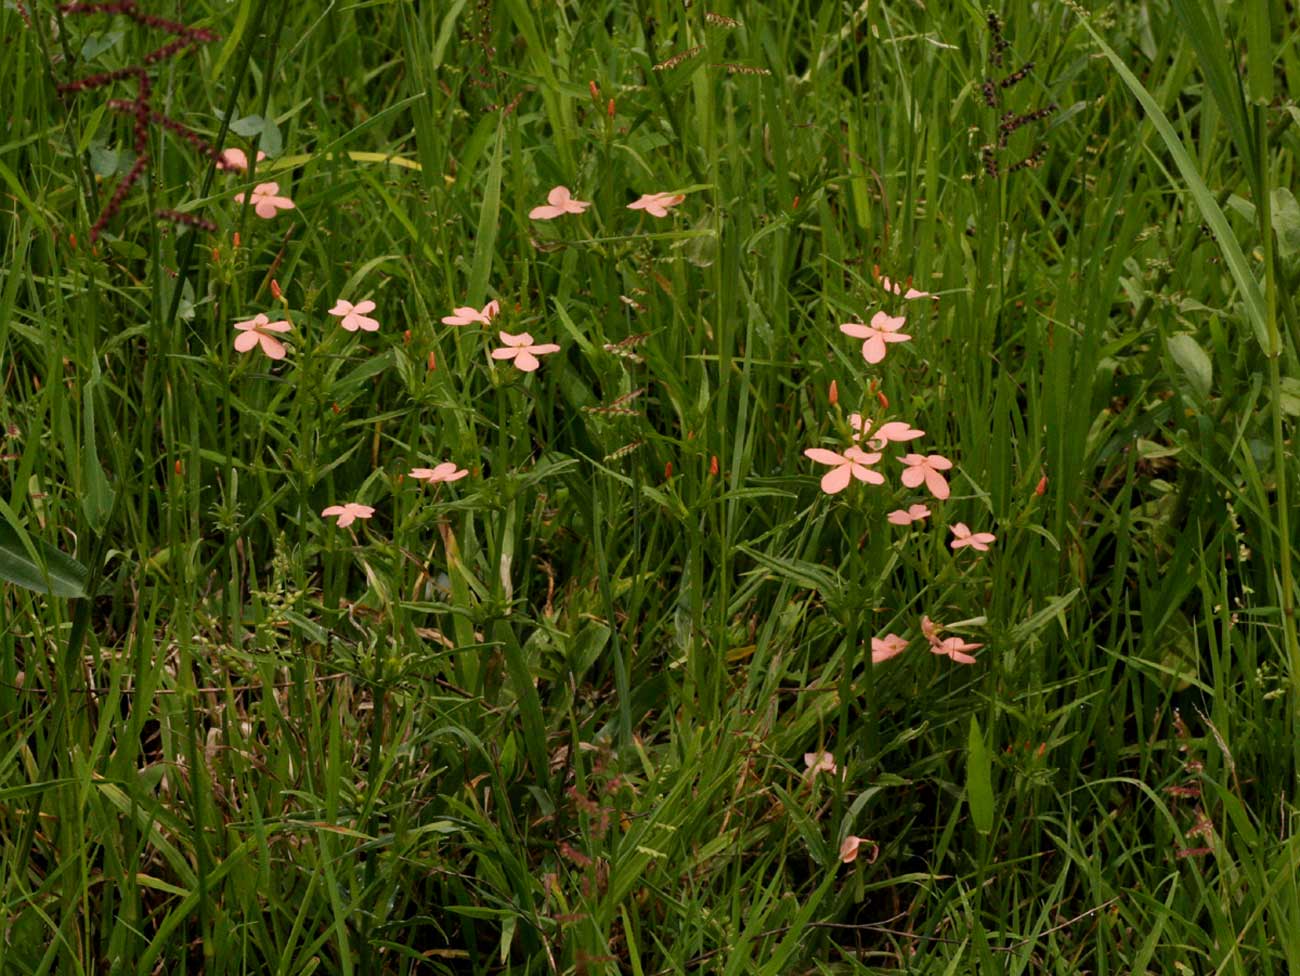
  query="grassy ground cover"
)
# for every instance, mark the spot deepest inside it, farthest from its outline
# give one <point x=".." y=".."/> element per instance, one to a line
<point x="849" y="529"/>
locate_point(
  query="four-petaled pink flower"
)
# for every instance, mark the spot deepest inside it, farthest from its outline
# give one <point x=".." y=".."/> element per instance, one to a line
<point x="657" y="204"/>
<point x="883" y="329"/>
<point x="236" y="159"/>
<point x="446" y="471"/>
<point x="883" y="648"/>
<point x="954" y="648"/>
<point x="847" y="466"/>
<point x="464" y="315"/>
<point x="852" y="845"/>
<point x="266" y="200"/>
<point x="965" y="537"/>
<point x="522" y="350"/>
<point x="819" y="762"/>
<point x="895" y="288"/>
<point x="950" y="647"/>
<point x="895" y="432"/>
<point x="906" y="516"/>
<point x="349" y="513"/>
<point x="926" y="467"/>
<point x="354" y="316"/>
<point x="260" y="329"/>
<point x="558" y="202"/>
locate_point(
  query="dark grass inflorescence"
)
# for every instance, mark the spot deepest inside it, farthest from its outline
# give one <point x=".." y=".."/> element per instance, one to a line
<point x="1010" y="121"/>
<point x="141" y="107"/>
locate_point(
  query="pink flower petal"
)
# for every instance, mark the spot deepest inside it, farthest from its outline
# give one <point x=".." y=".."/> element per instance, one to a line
<point x="819" y="762"/>
<point x="851" y="847"/>
<point x="883" y="648"/>
<point x="273" y="348"/>
<point x="836" y="479"/>
<point x="873" y="350"/>
<point x="245" y="341"/>
<point x="884" y="322"/>
<point x="936" y="483"/>
<point x="823" y="456"/>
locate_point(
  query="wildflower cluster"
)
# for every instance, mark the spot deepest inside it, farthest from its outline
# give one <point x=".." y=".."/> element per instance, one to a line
<point x="857" y="462"/>
<point x="520" y="349"/>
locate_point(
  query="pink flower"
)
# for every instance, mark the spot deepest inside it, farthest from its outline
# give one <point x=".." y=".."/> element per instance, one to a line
<point x="266" y="199"/>
<point x="349" y="513"/>
<point x="847" y="466"/>
<point x="446" y="471"/>
<point x="521" y="349"/>
<point x="954" y="648"/>
<point x="883" y="329"/>
<point x="354" y="316"/>
<point x="895" y="288"/>
<point x="236" y="159"/>
<point x="951" y="647"/>
<point x="883" y="648"/>
<point x="930" y="630"/>
<point x="819" y="762"/>
<point x="965" y="537"/>
<point x="259" y="330"/>
<point x="926" y="467"/>
<point x="906" y="516"/>
<point x="560" y="202"/>
<point x="657" y="204"/>
<point x="464" y="315"/>
<point x="896" y="432"/>
<point x="852" y="845"/>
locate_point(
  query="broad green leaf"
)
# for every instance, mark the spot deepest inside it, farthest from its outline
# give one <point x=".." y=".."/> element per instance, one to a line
<point x="489" y="216"/>
<point x="530" y="704"/>
<point x="1286" y="222"/>
<point x="97" y="496"/>
<point x="979" y="779"/>
<point x="1194" y="362"/>
<point x="252" y="126"/>
<point x="36" y="565"/>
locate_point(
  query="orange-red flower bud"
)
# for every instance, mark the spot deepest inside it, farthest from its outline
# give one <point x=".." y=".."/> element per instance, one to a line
<point x="713" y="465"/>
<point x="834" y="395"/>
<point x="1042" y="486"/>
